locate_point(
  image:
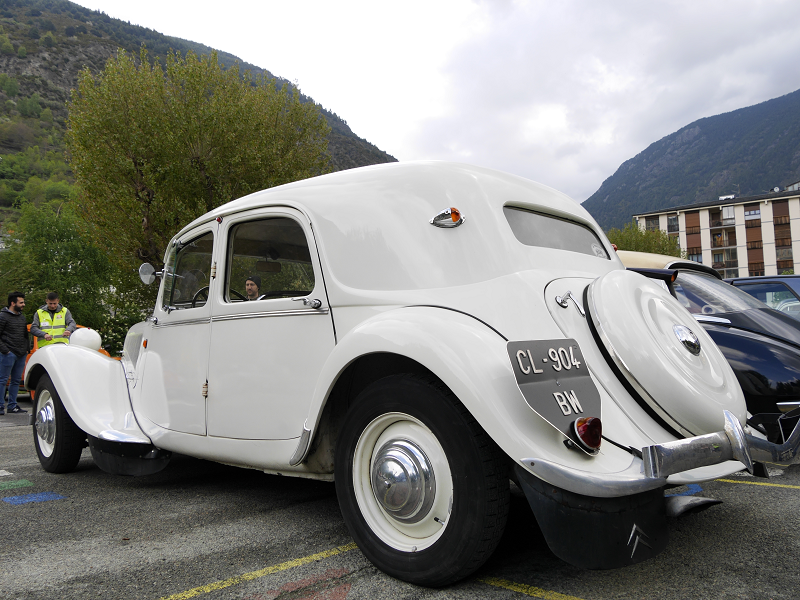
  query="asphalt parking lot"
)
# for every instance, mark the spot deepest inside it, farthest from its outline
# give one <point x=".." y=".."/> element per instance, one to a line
<point x="203" y="530"/>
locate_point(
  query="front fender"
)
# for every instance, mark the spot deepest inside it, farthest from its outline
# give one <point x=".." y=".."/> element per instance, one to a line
<point x="472" y="360"/>
<point x="92" y="388"/>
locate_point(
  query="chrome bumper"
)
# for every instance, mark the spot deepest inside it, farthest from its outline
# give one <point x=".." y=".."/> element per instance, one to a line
<point x="662" y="460"/>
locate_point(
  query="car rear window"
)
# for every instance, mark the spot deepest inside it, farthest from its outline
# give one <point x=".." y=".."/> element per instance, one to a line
<point x="546" y="231"/>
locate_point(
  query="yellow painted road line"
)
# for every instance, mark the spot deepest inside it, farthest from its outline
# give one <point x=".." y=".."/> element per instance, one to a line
<point x="528" y="590"/>
<point x="778" y="485"/>
<point x="289" y="564"/>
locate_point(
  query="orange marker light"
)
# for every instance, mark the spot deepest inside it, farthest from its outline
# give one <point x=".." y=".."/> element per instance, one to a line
<point x="454" y="214"/>
<point x="144" y="344"/>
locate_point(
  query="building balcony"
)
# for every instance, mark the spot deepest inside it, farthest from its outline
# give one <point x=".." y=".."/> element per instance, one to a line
<point x="673" y="228"/>
<point x="726" y="264"/>
<point x="724" y="223"/>
<point x="780" y="220"/>
<point x="728" y="243"/>
<point x="691" y="230"/>
<point x="752" y="223"/>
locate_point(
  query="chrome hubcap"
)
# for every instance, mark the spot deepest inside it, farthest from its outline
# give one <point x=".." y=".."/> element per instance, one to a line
<point x="46" y="424"/>
<point x="403" y="481"/>
<point x="687" y="337"/>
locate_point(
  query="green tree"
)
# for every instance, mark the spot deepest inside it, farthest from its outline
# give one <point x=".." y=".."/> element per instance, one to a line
<point x="51" y="248"/>
<point x="22" y="52"/>
<point x="153" y="148"/>
<point x="656" y="241"/>
<point x="49" y="41"/>
<point x="10" y="87"/>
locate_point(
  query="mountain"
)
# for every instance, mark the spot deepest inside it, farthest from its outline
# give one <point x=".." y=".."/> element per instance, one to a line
<point x="43" y="46"/>
<point x="747" y="152"/>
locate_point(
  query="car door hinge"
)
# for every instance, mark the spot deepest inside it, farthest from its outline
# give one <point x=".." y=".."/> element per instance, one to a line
<point x="205" y="390"/>
<point x="214" y="271"/>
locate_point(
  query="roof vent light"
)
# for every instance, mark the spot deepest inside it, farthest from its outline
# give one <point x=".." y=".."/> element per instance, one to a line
<point x="449" y="217"/>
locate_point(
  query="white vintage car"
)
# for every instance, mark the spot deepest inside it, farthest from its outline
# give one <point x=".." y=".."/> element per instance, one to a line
<point x="419" y="333"/>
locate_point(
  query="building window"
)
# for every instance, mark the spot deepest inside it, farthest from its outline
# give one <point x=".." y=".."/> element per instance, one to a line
<point x="691" y="230"/>
<point x="780" y="220"/>
<point x="784" y="253"/>
<point x="753" y="213"/>
<point x="698" y="258"/>
<point x="727" y="215"/>
<point x="672" y="224"/>
<point x="651" y="223"/>
<point x="755" y="245"/>
<point x="755" y="269"/>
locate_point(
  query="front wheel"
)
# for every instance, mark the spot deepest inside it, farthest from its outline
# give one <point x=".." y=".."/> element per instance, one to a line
<point x="59" y="442"/>
<point x="422" y="487"/>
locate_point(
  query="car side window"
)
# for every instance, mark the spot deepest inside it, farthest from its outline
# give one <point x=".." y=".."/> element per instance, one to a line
<point x="267" y="259"/>
<point x="188" y="268"/>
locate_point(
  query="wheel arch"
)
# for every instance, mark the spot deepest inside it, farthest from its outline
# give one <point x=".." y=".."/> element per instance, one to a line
<point x="467" y="356"/>
<point x="92" y="388"/>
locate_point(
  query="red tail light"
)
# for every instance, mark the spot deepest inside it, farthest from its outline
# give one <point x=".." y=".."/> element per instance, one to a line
<point x="589" y="431"/>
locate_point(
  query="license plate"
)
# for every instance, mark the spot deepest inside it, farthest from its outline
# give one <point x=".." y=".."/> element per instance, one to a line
<point x="554" y="380"/>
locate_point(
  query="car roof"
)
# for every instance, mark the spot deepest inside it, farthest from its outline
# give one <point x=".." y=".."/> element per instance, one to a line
<point x="648" y="260"/>
<point x="437" y="182"/>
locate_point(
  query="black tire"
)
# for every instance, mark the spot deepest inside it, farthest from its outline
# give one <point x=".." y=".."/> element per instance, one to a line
<point x="59" y="442"/>
<point x="478" y="472"/>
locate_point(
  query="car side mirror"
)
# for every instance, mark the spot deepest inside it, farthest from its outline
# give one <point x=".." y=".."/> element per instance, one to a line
<point x="148" y="273"/>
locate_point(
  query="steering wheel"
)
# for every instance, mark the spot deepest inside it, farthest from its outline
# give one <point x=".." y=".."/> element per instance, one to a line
<point x="202" y="293"/>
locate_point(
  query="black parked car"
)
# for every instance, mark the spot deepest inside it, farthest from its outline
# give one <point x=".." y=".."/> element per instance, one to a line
<point x="761" y="344"/>
<point x="781" y="292"/>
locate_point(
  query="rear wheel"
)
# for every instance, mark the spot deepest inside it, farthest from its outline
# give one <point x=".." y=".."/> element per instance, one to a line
<point x="59" y="442"/>
<point x="422" y="487"/>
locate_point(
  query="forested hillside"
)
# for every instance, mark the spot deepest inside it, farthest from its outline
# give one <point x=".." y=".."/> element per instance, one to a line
<point x="748" y="151"/>
<point x="43" y="46"/>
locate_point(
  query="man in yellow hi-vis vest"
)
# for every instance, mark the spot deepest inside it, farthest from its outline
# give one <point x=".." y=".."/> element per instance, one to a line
<point x="52" y="323"/>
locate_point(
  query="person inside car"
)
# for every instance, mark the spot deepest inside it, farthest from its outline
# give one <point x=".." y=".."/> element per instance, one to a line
<point x="252" y="287"/>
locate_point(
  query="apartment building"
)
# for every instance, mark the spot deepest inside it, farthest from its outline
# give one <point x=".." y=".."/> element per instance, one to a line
<point x="754" y="235"/>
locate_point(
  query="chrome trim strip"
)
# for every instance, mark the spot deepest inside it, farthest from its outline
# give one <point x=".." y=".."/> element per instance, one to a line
<point x="604" y="485"/>
<point x="788" y="406"/>
<point x="651" y="402"/>
<point x="199" y="321"/>
<point x="272" y="313"/>
<point x="302" y="447"/>
<point x="710" y="319"/>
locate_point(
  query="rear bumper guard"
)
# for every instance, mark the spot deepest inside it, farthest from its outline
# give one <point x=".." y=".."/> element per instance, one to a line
<point x="662" y="460"/>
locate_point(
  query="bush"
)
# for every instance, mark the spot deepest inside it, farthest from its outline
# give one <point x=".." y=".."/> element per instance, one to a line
<point x="30" y="107"/>
<point x="48" y="41"/>
<point x="33" y="33"/>
<point x="10" y="87"/>
<point x="21" y="52"/>
<point x="633" y="238"/>
<point x="69" y="31"/>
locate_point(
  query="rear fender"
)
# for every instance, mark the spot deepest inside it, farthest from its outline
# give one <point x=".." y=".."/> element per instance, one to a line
<point x="92" y="388"/>
<point x="472" y="360"/>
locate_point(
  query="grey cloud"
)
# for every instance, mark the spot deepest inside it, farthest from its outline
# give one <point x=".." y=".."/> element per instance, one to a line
<point x="565" y="92"/>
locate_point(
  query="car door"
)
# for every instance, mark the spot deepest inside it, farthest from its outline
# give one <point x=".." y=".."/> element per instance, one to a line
<point x="268" y="346"/>
<point x="176" y="354"/>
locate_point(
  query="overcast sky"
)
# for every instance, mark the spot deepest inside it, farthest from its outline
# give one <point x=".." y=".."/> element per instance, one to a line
<point x="559" y="92"/>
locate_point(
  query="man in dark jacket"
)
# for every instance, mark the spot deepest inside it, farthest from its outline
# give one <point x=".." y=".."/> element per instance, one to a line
<point x="13" y="350"/>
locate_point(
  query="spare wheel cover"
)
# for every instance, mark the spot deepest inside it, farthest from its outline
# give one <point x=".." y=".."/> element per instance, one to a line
<point x="650" y="338"/>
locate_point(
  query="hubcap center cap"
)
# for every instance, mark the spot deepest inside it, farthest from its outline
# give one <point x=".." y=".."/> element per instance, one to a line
<point x="403" y="480"/>
<point x="46" y="424"/>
